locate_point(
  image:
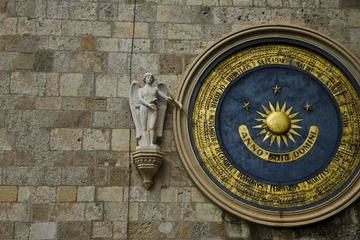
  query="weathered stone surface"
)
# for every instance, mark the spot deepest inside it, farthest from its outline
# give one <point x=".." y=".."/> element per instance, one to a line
<point x="86" y="27"/>
<point x="68" y="212"/>
<point x="115" y="211"/>
<point x="66" y="194"/>
<point x="106" y="85"/>
<point x="75" y="176"/>
<point x="76" y="84"/>
<point x="43" y="61"/>
<point x="102" y="230"/>
<point x="96" y="139"/>
<point x="8" y="193"/>
<point x="109" y="194"/>
<point x="22" y="231"/>
<point x="82" y="10"/>
<point x="94" y="211"/>
<point x="27" y="83"/>
<point x="88" y="43"/>
<point x="120" y="139"/>
<point x="74" y="230"/>
<point x="65" y="139"/>
<point x="43" y="231"/>
<point x="86" y="194"/>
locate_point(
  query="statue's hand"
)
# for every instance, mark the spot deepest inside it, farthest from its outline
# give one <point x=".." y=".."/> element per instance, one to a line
<point x="152" y="106"/>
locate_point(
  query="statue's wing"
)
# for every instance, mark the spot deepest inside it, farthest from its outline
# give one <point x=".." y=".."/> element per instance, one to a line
<point x="162" y="105"/>
<point x="134" y="103"/>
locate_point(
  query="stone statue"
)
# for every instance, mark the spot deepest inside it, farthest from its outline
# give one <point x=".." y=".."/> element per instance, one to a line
<point x="148" y="107"/>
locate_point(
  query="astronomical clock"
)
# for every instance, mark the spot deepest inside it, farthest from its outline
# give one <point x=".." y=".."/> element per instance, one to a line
<point x="270" y="129"/>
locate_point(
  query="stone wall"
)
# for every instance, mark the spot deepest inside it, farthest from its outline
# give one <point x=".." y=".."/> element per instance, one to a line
<point x="65" y="128"/>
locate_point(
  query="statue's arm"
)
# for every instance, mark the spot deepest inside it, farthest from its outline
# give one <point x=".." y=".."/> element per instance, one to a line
<point x="163" y="95"/>
<point x="143" y="102"/>
<point x="168" y="98"/>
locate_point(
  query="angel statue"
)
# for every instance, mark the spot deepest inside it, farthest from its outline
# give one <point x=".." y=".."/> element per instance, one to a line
<point x="148" y="107"/>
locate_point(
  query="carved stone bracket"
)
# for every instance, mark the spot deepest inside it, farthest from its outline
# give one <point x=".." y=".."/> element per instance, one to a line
<point x="148" y="162"/>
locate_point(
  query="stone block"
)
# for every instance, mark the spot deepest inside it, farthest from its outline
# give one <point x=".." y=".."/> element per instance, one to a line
<point x="48" y="103"/>
<point x="68" y="212"/>
<point x="106" y="85"/>
<point x="98" y="176"/>
<point x="120" y="230"/>
<point x="125" y="12"/>
<point x="171" y="64"/>
<point x="43" y="61"/>
<point x="118" y="63"/>
<point x="108" y="11"/>
<point x="142" y="45"/>
<point x="76" y="84"/>
<point x="152" y="212"/>
<point x="310" y="3"/>
<point x="22" y="231"/>
<point x="123" y="30"/>
<point x="14" y="212"/>
<point x="43" y="231"/>
<point x="8" y="193"/>
<point x="66" y="194"/>
<point x="74" y="230"/>
<point x="40" y="212"/>
<point x="118" y="176"/>
<point x="73" y="119"/>
<point x="7" y="139"/>
<point x="64" y="43"/>
<point x="123" y="86"/>
<point x="73" y="103"/>
<point x="94" y="211"/>
<point x="24" y="61"/>
<point x="88" y="43"/>
<point x="4" y="83"/>
<point x="43" y="194"/>
<point x="87" y="62"/>
<point x="208" y="212"/>
<point x="77" y="159"/>
<point x="8" y="26"/>
<point x="104" y="120"/>
<point x="83" y="10"/>
<point x="75" y="176"/>
<point x="24" y="193"/>
<point x="143" y="63"/>
<point x="96" y="104"/>
<point x="109" y="194"/>
<point x="26" y="8"/>
<point x="22" y="176"/>
<point x="108" y="44"/>
<point x="48" y="27"/>
<point x="120" y="139"/>
<point x="354" y="18"/>
<point x="61" y="61"/>
<point x="102" y="229"/>
<point x="35" y="140"/>
<point x="96" y="139"/>
<point x="274" y="3"/>
<point x="115" y="211"/>
<point x="243" y="3"/>
<point x="184" y="31"/>
<point x="96" y="28"/>
<point x="169" y="194"/>
<point x="86" y="194"/>
<point x="65" y="139"/>
<point x="174" y="14"/>
<point x="27" y="83"/>
<point x="58" y="9"/>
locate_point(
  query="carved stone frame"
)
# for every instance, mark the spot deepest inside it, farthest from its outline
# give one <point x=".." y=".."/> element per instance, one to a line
<point x="182" y="138"/>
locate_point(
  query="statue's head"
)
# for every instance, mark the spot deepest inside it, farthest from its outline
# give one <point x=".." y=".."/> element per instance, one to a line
<point x="149" y="78"/>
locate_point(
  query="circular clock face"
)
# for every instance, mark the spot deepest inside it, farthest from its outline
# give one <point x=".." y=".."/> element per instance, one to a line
<point x="271" y="128"/>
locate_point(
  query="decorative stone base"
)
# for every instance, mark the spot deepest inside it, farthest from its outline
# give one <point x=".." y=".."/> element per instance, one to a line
<point x="147" y="162"/>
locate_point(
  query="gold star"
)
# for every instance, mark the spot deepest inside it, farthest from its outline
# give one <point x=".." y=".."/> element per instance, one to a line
<point x="276" y="89"/>
<point x="246" y="106"/>
<point x="308" y="107"/>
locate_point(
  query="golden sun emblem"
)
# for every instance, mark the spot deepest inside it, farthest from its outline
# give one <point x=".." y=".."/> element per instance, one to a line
<point x="278" y="123"/>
